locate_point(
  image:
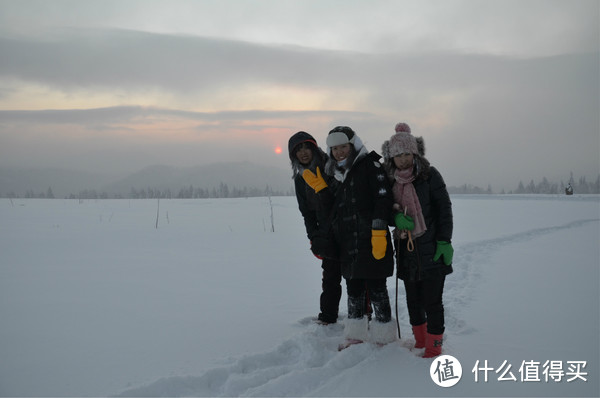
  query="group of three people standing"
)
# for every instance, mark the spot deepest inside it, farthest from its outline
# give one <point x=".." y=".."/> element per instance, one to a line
<point x="348" y="199"/>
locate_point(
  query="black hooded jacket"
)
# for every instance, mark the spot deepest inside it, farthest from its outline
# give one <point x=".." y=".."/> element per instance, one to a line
<point x="315" y="208"/>
<point x="437" y="212"/>
<point x="363" y="202"/>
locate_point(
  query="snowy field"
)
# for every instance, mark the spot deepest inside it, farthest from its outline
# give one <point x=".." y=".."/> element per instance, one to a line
<point x="97" y="301"/>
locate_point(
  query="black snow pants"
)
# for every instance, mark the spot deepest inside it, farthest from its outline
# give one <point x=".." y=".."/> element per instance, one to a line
<point x="331" y="290"/>
<point x="424" y="302"/>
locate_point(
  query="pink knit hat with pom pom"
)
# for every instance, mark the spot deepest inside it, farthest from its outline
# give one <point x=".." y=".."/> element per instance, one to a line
<point x="401" y="142"/>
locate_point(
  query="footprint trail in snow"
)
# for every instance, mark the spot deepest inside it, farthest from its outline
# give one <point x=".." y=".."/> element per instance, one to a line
<point x="309" y="362"/>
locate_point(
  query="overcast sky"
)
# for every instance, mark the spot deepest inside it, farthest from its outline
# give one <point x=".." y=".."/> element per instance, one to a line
<point x="502" y="91"/>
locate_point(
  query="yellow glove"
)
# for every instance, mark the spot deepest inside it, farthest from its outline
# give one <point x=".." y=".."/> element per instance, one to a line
<point x="379" y="243"/>
<point x="316" y="182"/>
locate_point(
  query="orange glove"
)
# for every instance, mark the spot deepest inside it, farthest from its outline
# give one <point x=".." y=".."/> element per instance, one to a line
<point x="379" y="243"/>
<point x="316" y="182"/>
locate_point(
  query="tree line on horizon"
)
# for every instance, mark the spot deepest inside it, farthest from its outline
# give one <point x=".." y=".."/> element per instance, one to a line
<point x="580" y="186"/>
<point x="188" y="192"/>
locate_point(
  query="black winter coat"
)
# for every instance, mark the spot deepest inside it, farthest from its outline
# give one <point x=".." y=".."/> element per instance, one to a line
<point x="437" y="211"/>
<point x="362" y="197"/>
<point x="315" y="208"/>
<point x="307" y="199"/>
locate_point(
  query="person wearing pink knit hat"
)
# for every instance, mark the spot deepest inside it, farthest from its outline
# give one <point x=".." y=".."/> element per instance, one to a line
<point x="423" y="215"/>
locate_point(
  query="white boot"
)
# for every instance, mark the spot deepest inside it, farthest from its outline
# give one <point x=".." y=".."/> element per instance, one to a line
<point x="356" y="331"/>
<point x="384" y="333"/>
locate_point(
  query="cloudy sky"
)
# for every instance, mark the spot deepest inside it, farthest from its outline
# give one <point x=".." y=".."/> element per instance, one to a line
<point x="502" y="91"/>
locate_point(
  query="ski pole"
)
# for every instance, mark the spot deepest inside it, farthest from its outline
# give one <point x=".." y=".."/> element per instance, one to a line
<point x="397" y="321"/>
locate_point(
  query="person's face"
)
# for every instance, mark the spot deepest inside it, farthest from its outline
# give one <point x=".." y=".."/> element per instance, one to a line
<point x="304" y="154"/>
<point x="404" y="161"/>
<point x="340" y="152"/>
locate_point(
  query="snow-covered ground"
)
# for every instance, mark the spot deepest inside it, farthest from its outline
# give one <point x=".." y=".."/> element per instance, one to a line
<point x="96" y="301"/>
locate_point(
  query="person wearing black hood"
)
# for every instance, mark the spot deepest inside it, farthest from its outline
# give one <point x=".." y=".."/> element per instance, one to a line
<point x="305" y="154"/>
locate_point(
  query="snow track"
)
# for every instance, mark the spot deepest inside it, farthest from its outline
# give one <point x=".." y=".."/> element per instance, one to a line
<point x="309" y="364"/>
<point x="303" y="365"/>
<point x="304" y="356"/>
<point x="469" y="259"/>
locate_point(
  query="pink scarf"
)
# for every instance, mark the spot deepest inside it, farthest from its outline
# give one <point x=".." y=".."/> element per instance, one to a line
<point x="406" y="197"/>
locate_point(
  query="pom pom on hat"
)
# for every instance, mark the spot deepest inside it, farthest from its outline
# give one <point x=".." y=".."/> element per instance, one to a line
<point x="402" y="127"/>
<point x="401" y="142"/>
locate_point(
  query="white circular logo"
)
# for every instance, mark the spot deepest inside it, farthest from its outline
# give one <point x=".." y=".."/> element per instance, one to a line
<point x="445" y="371"/>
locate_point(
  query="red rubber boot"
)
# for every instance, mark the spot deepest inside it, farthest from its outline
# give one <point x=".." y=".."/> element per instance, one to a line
<point x="420" y="332"/>
<point x="433" y="345"/>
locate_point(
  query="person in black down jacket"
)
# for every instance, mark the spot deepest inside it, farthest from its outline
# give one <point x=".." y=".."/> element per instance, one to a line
<point x="315" y="208"/>
<point x="362" y="208"/>
<point x="423" y="214"/>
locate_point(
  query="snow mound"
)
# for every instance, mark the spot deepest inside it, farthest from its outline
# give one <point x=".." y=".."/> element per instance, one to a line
<point x="307" y="364"/>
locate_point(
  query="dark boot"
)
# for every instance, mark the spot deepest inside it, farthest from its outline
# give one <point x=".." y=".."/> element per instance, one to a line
<point x="368" y="307"/>
<point x="433" y="345"/>
<point x="356" y="305"/>
<point x="381" y="304"/>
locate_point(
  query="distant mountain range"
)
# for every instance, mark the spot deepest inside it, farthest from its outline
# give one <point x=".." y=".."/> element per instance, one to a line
<point x="63" y="183"/>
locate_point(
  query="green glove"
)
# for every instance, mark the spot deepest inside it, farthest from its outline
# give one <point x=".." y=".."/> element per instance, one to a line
<point x="404" y="222"/>
<point x="444" y="249"/>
